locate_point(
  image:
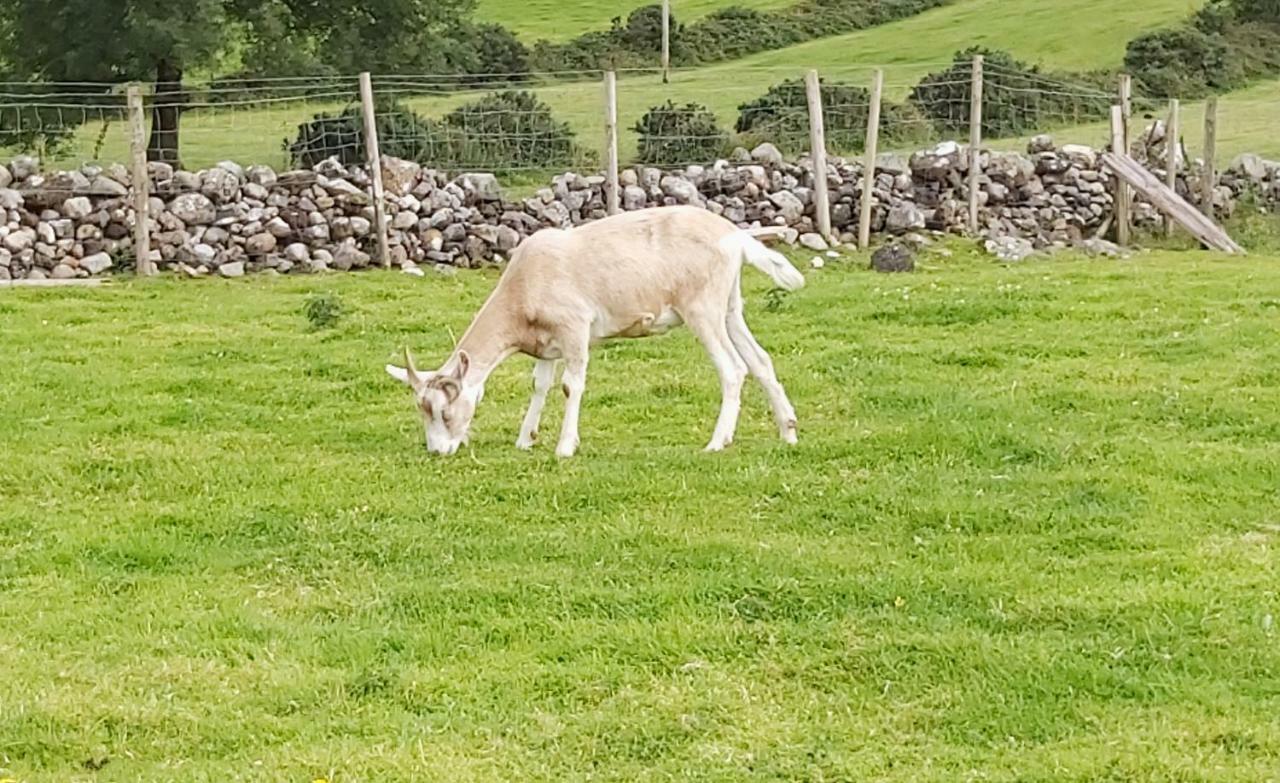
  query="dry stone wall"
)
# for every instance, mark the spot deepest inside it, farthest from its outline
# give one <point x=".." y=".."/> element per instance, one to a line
<point x="230" y="221"/>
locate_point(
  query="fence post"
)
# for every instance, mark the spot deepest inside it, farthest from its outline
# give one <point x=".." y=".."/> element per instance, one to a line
<point x="666" y="41"/>
<point x="1172" y="150"/>
<point x="375" y="167"/>
<point x="1121" y="190"/>
<point x="818" y="154"/>
<point x="611" y="141"/>
<point x="869" y="167"/>
<point x="975" y="141"/>
<point x="141" y="183"/>
<point x="1210" y="176"/>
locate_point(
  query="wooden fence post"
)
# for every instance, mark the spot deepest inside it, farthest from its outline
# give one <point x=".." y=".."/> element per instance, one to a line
<point x="612" y="195"/>
<point x="666" y="41"/>
<point x="375" y="167"/>
<point x="1172" y="151"/>
<point x="818" y="154"/>
<point x="869" y="167"/>
<point x="975" y="141"/>
<point x="1209" y="178"/>
<point x="141" y="183"/>
<point x="1121" y="189"/>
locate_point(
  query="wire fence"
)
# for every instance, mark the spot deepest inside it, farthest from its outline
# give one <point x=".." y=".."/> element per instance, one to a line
<point x="527" y="123"/>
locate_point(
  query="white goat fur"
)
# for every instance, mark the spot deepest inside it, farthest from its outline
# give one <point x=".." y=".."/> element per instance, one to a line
<point x="631" y="275"/>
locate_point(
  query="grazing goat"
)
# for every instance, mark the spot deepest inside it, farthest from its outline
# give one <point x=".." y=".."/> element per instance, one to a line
<point x="637" y="274"/>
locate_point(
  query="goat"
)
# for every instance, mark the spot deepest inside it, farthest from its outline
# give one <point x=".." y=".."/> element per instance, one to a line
<point x="632" y="275"/>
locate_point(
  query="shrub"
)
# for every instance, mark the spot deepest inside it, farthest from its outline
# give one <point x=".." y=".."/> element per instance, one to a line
<point x="492" y="54"/>
<point x="671" y="134"/>
<point x="1184" y="62"/>
<point x="1017" y="98"/>
<point x="401" y="134"/>
<point x="781" y="116"/>
<point x="323" y="311"/>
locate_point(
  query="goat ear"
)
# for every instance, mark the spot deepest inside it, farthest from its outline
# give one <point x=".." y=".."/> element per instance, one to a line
<point x="400" y="374"/>
<point x="464" y="365"/>
<point x="452" y="390"/>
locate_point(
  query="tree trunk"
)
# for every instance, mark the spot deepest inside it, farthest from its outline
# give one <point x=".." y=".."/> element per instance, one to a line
<point x="166" y="109"/>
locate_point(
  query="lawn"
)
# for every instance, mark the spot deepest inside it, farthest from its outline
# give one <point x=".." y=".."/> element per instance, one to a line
<point x="560" y="20"/>
<point x="1030" y="534"/>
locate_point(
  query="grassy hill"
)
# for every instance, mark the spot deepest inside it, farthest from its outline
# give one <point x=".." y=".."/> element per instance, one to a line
<point x="560" y="20"/>
<point x="1054" y="36"/>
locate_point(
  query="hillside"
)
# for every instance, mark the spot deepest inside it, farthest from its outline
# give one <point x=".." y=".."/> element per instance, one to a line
<point x="560" y="20"/>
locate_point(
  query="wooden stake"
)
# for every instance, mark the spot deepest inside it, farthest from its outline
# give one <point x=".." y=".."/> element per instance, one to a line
<point x="1209" y="179"/>
<point x="869" y="167"/>
<point x="141" y="183"/>
<point x="375" y="167"/>
<point x="1172" y="151"/>
<point x="818" y="154"/>
<point x="1122" y="222"/>
<point x="612" y="195"/>
<point x="666" y="41"/>
<point x="1124" y="195"/>
<point x="975" y="142"/>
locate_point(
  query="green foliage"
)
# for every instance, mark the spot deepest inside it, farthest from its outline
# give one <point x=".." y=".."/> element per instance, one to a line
<point x="323" y="310"/>
<point x="781" y="116"/>
<point x="672" y="134"/>
<point x="502" y="131"/>
<point x="1016" y="99"/>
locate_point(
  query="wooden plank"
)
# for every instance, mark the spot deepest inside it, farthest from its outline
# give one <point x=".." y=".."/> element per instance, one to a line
<point x="975" y="141"/>
<point x="141" y="183"/>
<point x="375" y="167"/>
<point x="1169" y="202"/>
<point x="1209" y="180"/>
<point x="78" y="282"/>
<point x="869" y="166"/>
<point x="1172" y="151"/>
<point x="612" y="194"/>
<point x="818" y="154"/>
<point x="1122" y="195"/>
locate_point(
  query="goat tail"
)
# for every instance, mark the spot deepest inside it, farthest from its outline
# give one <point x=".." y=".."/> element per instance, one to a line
<point x="772" y="263"/>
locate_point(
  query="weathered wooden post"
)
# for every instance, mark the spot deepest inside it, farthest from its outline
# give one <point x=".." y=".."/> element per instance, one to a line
<point x="869" y="166"/>
<point x="141" y="183"/>
<point x="1209" y="178"/>
<point x="975" y="141"/>
<point x="375" y="167"/>
<point x="612" y="195"/>
<point x="1172" y="151"/>
<point x="818" y="154"/>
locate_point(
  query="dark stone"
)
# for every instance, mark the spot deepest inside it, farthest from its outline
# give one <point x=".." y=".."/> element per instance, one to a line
<point x="894" y="257"/>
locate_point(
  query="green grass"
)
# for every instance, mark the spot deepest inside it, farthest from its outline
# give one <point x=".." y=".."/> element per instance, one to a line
<point x="560" y="20"/>
<point x="907" y="49"/>
<point x="1030" y="534"/>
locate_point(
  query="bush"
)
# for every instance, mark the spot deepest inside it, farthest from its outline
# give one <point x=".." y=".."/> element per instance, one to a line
<point x="401" y="134"/>
<point x="671" y="134"/>
<point x="1185" y="62"/>
<point x="781" y="116"/>
<point x="1017" y="98"/>
<point x="492" y="54"/>
<point x="323" y="311"/>
<point x="501" y="131"/>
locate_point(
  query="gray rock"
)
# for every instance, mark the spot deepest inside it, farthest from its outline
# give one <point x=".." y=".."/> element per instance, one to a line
<point x="483" y="186"/>
<point x="399" y="177"/>
<point x="263" y="176"/>
<point x="232" y="269"/>
<point x="107" y="187"/>
<point x="904" y="217"/>
<point x="11" y="199"/>
<point x="814" y="242"/>
<point x="361" y="227"/>
<point x="404" y="221"/>
<point x="768" y="155"/>
<point x="1041" y="143"/>
<point x="1100" y="247"/>
<point x="62" y="272"/>
<point x="894" y="257"/>
<point x="1010" y="249"/>
<point x="1253" y="167"/>
<point x="220" y="186"/>
<point x="634" y="198"/>
<point x="20" y="240"/>
<point x="680" y="189"/>
<point x="77" y="208"/>
<point x="278" y="228"/>
<point x="97" y="263"/>
<point x="348" y="256"/>
<point x="508" y="239"/>
<point x="297" y="253"/>
<point x="194" y="209"/>
<point x="789" y="206"/>
<point x="260" y="244"/>
<point x="24" y="167"/>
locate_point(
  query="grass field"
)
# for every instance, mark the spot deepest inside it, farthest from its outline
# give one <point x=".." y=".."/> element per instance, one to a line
<point x="560" y="20"/>
<point x="907" y="49"/>
<point x="1030" y="534"/>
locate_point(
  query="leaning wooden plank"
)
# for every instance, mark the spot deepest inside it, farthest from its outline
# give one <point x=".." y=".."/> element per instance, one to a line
<point x="81" y="282"/>
<point x="1168" y="201"/>
<point x="768" y="234"/>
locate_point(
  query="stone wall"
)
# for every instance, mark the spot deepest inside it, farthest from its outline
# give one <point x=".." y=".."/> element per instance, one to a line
<point x="230" y="221"/>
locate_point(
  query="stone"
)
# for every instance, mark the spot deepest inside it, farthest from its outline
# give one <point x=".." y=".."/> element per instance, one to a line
<point x="220" y="186"/>
<point x="484" y="187"/>
<point x="348" y="256"/>
<point x="789" y="206"/>
<point x="508" y="239"/>
<point x="297" y="253"/>
<point x="24" y="167"/>
<point x="232" y="269"/>
<point x="1009" y="250"/>
<point x="11" y="199"/>
<point x="259" y="244"/>
<point x="62" y="272"/>
<point x="1095" y="248"/>
<point x="107" y="187"/>
<point x="361" y="227"/>
<point x="399" y="176"/>
<point x="894" y="257"/>
<point x="404" y="221"/>
<point x="263" y="176"/>
<point x="1253" y="167"/>
<point x="77" y="208"/>
<point x="814" y="242"/>
<point x="903" y="217"/>
<point x="634" y="198"/>
<point x="20" y="240"/>
<point x="1041" y="143"/>
<point x="193" y="209"/>
<point x="97" y="263"/>
<point x="278" y="228"/>
<point x="768" y="155"/>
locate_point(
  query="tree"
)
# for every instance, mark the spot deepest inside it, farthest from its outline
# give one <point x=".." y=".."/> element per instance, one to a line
<point x="160" y="41"/>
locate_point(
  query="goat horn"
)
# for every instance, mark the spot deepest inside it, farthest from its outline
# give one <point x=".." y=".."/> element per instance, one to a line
<point x="408" y="363"/>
